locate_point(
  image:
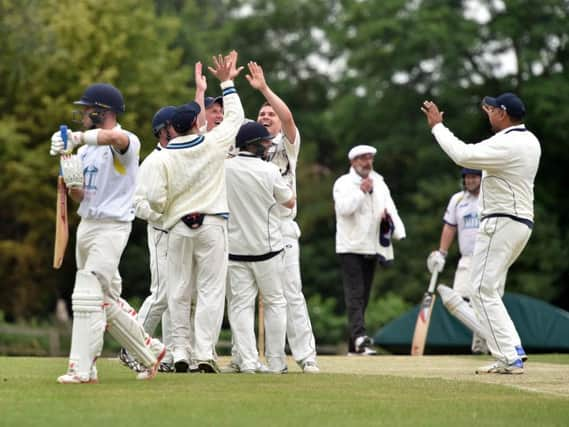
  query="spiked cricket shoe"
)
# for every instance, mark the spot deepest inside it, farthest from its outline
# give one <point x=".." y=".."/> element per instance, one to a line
<point x="498" y="367"/>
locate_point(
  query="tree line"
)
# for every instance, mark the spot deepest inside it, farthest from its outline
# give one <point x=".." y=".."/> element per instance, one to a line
<point x="352" y="73"/>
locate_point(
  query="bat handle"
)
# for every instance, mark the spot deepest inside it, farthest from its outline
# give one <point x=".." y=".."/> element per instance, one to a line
<point x="433" y="282"/>
<point x="63" y="133"/>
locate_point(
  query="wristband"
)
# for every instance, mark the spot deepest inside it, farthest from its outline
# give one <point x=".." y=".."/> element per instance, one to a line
<point x="90" y="136"/>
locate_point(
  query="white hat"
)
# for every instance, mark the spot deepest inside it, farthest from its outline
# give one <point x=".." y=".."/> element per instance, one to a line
<point x="360" y="150"/>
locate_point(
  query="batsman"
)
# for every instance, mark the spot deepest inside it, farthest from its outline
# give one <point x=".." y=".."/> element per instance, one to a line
<point x="101" y="178"/>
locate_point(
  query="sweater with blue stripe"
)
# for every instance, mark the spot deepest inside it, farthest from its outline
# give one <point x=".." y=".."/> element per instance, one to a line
<point x="189" y="175"/>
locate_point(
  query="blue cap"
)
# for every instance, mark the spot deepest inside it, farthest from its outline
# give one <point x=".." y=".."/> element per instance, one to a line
<point x="210" y="100"/>
<point x="468" y="171"/>
<point x="161" y="119"/>
<point x="184" y="117"/>
<point x="508" y="102"/>
<point x="251" y="132"/>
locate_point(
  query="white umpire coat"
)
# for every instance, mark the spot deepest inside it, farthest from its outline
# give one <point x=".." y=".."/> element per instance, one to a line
<point x="359" y="214"/>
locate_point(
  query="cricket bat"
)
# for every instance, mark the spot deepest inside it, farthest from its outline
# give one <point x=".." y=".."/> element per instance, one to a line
<point x="424" y="317"/>
<point x="61" y="224"/>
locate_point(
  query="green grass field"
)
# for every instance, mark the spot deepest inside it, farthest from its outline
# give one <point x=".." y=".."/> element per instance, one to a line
<point x="351" y="391"/>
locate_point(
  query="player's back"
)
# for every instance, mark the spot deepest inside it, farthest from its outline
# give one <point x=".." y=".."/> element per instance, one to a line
<point x="254" y="222"/>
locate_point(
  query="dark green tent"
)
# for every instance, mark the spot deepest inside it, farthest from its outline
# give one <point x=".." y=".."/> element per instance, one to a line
<point x="543" y="328"/>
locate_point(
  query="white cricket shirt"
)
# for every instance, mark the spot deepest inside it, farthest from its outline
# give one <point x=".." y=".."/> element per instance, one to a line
<point x="255" y="189"/>
<point x="462" y="212"/>
<point x="509" y="161"/>
<point x="110" y="179"/>
<point x="286" y="157"/>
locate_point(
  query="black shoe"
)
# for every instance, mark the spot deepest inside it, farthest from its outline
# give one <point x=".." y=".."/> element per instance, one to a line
<point x="208" y="367"/>
<point x="181" y="367"/>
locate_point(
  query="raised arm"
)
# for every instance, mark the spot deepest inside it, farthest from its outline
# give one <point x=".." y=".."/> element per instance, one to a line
<point x="257" y="80"/>
<point x="201" y="87"/>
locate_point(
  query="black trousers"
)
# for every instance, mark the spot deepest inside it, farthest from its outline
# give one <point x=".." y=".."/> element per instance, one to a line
<point x="357" y="276"/>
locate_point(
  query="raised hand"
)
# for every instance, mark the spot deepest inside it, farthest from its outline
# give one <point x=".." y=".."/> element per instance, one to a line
<point x="225" y="67"/>
<point x="256" y="77"/>
<point x="201" y="81"/>
<point x="434" y="116"/>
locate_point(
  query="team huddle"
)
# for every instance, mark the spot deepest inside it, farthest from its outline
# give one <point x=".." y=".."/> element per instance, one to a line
<point x="218" y="194"/>
<point x="211" y="239"/>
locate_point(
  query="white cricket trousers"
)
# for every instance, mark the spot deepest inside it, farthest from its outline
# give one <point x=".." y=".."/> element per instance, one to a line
<point x="244" y="280"/>
<point x="155" y="307"/>
<point x="201" y="253"/>
<point x="462" y="284"/>
<point x="499" y="242"/>
<point x="298" y="329"/>
<point x="99" y="247"/>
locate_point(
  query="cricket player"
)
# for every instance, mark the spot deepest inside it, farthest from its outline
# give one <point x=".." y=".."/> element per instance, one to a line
<point x="254" y="188"/>
<point x="366" y="222"/>
<point x="109" y="159"/>
<point x="509" y="161"/>
<point x="278" y="119"/>
<point x="154" y="309"/>
<point x="188" y="189"/>
<point x="213" y="111"/>
<point x="461" y="219"/>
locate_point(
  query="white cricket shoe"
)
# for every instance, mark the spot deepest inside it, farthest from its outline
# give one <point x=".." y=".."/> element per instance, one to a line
<point x="499" y="367"/>
<point x="159" y="350"/>
<point x="310" y="367"/>
<point x="71" y="377"/>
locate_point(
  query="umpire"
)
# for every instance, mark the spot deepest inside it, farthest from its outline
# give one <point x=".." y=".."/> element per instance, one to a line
<point x="366" y="219"/>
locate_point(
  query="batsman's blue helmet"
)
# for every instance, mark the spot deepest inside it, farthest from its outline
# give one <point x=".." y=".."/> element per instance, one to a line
<point x="104" y="96"/>
<point x="468" y="171"/>
<point x="162" y="118"/>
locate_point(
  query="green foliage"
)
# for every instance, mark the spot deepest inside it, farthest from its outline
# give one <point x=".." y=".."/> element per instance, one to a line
<point x="329" y="327"/>
<point x="352" y="72"/>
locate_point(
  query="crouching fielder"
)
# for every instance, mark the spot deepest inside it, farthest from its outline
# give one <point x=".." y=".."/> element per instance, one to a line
<point x="256" y="259"/>
<point x="109" y="162"/>
<point x="509" y="161"/>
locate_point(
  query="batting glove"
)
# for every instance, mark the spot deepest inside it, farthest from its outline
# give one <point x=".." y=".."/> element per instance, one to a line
<point x="72" y="170"/>
<point x="74" y="139"/>
<point x="436" y="261"/>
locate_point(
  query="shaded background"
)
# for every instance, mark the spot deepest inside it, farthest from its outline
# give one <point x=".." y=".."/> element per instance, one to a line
<point x="352" y="72"/>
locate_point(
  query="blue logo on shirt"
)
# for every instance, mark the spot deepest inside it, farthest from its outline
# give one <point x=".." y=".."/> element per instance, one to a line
<point x="471" y="220"/>
<point x="90" y="173"/>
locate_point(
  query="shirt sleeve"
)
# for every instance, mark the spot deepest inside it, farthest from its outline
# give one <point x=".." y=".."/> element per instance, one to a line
<point x="282" y="192"/>
<point x="346" y="200"/>
<point x="132" y="152"/>
<point x="233" y="116"/>
<point x="450" y="213"/>
<point x="140" y="200"/>
<point x="492" y="153"/>
<point x="292" y="149"/>
<point x="157" y="191"/>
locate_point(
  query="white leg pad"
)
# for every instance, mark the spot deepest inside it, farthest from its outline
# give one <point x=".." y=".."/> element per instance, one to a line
<point x="460" y="309"/>
<point x="88" y="324"/>
<point x="129" y="333"/>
